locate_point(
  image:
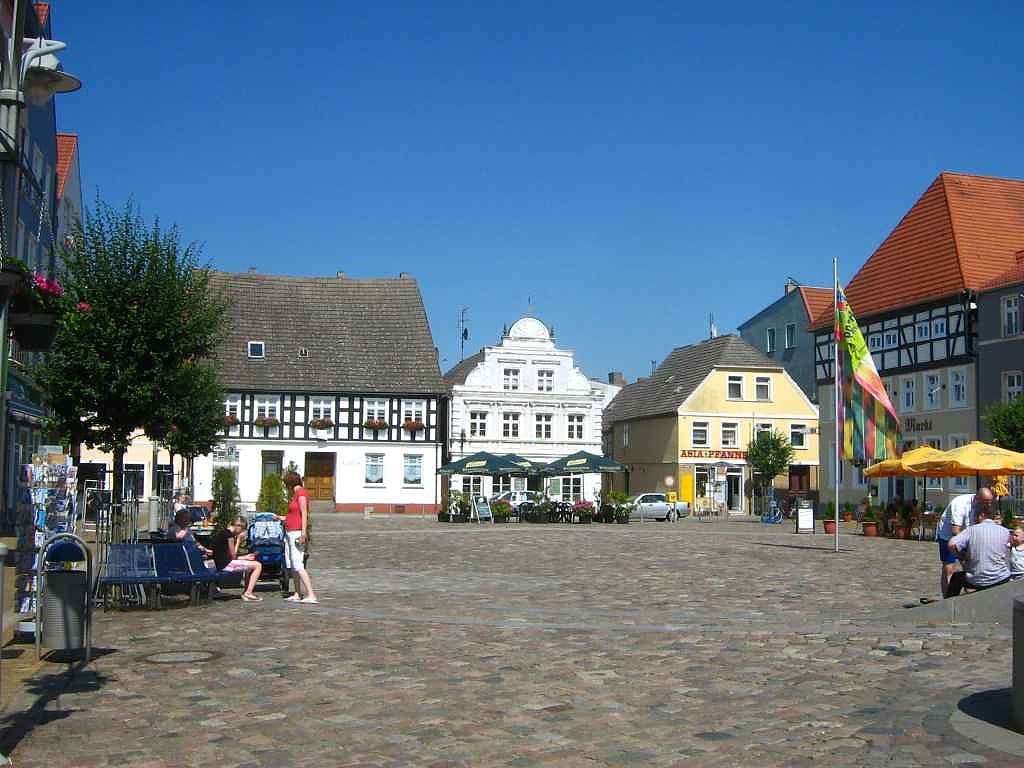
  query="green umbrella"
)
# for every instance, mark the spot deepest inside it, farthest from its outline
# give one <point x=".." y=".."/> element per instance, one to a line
<point x="526" y="467"/>
<point x="481" y="463"/>
<point x="582" y="463"/>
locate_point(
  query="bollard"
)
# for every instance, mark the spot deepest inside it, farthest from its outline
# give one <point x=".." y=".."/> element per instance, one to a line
<point x="1018" y="663"/>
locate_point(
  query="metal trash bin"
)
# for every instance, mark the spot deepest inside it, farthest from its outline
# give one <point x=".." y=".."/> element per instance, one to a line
<point x="63" y="610"/>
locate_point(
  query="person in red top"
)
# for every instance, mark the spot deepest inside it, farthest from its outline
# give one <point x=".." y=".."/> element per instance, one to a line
<point x="296" y="526"/>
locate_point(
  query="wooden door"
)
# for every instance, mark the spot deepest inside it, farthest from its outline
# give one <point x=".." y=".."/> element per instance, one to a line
<point x="319" y="478"/>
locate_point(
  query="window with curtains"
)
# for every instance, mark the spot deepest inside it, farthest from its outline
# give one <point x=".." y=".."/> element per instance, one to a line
<point x="374" y="469"/>
<point x="412" y="469"/>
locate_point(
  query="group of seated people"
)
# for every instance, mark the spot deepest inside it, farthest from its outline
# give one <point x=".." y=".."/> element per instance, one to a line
<point x="224" y="551"/>
<point x="989" y="553"/>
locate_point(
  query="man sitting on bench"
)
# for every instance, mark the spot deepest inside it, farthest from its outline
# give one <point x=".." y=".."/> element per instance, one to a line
<point x="984" y="548"/>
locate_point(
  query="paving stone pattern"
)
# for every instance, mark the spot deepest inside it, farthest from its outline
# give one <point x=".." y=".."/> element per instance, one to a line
<point x="696" y="644"/>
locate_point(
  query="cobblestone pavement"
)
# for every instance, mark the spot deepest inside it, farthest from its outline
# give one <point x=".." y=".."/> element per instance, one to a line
<point x="696" y="644"/>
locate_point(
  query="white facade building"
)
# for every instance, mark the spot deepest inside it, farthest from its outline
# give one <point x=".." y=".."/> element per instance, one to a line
<point x="526" y="397"/>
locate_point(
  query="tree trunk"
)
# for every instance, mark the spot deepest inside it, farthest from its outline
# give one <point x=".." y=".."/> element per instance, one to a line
<point x="117" y="486"/>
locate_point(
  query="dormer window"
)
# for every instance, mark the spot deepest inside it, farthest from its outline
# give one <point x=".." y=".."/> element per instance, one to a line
<point x="256" y="350"/>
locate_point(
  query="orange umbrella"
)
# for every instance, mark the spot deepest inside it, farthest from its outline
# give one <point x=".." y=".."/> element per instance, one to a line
<point x="902" y="465"/>
<point x="974" y="458"/>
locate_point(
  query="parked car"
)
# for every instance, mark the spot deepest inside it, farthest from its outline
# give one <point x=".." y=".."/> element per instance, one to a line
<point x="656" y="506"/>
<point x="515" y="498"/>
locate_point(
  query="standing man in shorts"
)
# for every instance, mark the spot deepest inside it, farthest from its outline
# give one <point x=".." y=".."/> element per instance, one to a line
<point x="959" y="514"/>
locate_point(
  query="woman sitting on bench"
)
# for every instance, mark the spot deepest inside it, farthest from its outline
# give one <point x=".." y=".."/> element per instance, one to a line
<point x="225" y="555"/>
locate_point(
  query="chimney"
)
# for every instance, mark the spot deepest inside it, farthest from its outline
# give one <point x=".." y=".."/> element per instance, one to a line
<point x="791" y="285"/>
<point x="340" y="274"/>
<point x="252" y="270"/>
<point x="616" y="378"/>
<point x="403" y="275"/>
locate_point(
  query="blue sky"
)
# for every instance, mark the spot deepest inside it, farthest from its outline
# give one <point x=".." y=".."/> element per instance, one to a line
<point x="623" y="168"/>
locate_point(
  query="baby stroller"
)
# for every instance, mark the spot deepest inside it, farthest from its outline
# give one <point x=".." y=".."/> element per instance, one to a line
<point x="266" y="539"/>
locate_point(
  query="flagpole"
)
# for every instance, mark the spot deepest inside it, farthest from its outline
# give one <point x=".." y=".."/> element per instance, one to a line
<point x="835" y="399"/>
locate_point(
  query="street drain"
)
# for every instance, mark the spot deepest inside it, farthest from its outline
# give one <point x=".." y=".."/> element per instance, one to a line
<point x="181" y="657"/>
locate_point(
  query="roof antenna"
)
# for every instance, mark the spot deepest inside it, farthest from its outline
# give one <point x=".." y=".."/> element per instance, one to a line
<point x="463" y="333"/>
<point x="654" y="364"/>
<point x="712" y="328"/>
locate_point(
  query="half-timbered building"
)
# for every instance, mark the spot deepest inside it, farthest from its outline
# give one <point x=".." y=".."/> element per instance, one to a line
<point x="338" y="375"/>
<point x="916" y="301"/>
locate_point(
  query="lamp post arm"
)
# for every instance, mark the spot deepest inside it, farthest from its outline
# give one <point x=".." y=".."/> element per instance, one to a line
<point x="39" y="47"/>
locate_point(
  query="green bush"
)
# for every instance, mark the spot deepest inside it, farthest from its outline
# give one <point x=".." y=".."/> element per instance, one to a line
<point x="869" y="516"/>
<point x="501" y="510"/>
<point x="273" y="496"/>
<point x="225" y="496"/>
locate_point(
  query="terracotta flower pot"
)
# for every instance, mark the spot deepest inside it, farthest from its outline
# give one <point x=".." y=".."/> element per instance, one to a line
<point x="869" y="527"/>
<point x="847" y="517"/>
<point x="902" y="531"/>
<point x="830" y="526"/>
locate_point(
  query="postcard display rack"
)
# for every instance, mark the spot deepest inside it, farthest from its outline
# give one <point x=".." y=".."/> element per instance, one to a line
<point x="47" y="507"/>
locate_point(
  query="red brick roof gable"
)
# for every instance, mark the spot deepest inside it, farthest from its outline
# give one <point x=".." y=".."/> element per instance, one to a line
<point x="963" y="233"/>
<point x="67" y="145"/>
<point x="816" y="300"/>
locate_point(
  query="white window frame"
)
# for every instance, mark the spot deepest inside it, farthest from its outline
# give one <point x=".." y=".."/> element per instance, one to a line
<point x="1012" y="385"/>
<point x="933" y="392"/>
<point x="375" y="408"/>
<point x="510" y="380"/>
<point x="373" y="459"/>
<point x="1010" y="314"/>
<point x="765" y="381"/>
<point x="875" y="342"/>
<point x="938" y="327"/>
<point x="905" y="406"/>
<point x="798" y="431"/>
<point x="769" y="340"/>
<point x="268" y="406"/>
<point x="763" y="428"/>
<point x="545" y="380"/>
<point x="730" y="434"/>
<point x="959" y="483"/>
<point x="890" y="338"/>
<point x="700" y="426"/>
<point x="958" y="388"/>
<point x="251" y="348"/>
<point x="542" y="423"/>
<point x="510" y="424"/>
<point x="473" y="485"/>
<point x="574" y="426"/>
<point x="321" y="408"/>
<point x="923" y="331"/>
<point x="478" y="423"/>
<point x="414" y="410"/>
<point x="625" y="435"/>
<point x="790" y="335"/>
<point x="733" y="379"/>
<point x="412" y="460"/>
<point x="233" y="407"/>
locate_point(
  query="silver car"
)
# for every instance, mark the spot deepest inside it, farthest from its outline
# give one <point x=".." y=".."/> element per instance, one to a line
<point x="652" y="506"/>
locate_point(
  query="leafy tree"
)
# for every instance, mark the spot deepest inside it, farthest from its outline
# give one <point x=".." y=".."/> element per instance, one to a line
<point x="769" y="455"/>
<point x="139" y="310"/>
<point x="195" y="414"/>
<point x="1006" y="423"/>
<point x="225" y="496"/>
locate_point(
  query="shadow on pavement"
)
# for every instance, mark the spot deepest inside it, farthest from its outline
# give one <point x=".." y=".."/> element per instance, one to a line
<point x="47" y="689"/>
<point x="994" y="707"/>
<point x="826" y="548"/>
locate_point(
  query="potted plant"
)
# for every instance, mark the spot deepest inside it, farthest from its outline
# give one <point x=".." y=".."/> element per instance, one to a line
<point x="230" y="421"/>
<point x="904" y="520"/>
<point x="35" y="306"/>
<point x="265" y="422"/>
<point x="829" y="524"/>
<point x="869" y="522"/>
<point x="584" y="511"/>
<point x="413" y="425"/>
<point x="847" y="512"/>
<point x="501" y="510"/>
<point x="620" y="501"/>
<point x="324" y="423"/>
<point x="375" y="424"/>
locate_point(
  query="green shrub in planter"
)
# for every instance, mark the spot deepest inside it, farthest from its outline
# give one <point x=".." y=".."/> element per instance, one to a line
<point x="501" y="511"/>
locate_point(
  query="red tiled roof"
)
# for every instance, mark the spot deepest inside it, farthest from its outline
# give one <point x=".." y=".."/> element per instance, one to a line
<point x="816" y="300"/>
<point x="42" y="13"/>
<point x="1009" y="277"/>
<point x="963" y="233"/>
<point x="67" y="145"/>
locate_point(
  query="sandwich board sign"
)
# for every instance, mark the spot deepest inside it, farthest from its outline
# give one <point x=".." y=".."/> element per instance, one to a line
<point x="482" y="510"/>
<point x="804" y="516"/>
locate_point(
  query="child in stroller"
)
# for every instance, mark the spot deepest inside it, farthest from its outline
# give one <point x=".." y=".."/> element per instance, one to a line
<point x="267" y="540"/>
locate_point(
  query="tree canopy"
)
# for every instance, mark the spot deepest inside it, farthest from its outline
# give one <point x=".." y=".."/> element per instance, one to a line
<point x="142" y="317"/>
<point x="769" y="455"/>
<point x="1006" y="424"/>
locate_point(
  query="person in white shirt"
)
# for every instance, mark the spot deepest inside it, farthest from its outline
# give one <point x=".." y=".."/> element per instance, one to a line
<point x="959" y="514"/>
<point x="1015" y="556"/>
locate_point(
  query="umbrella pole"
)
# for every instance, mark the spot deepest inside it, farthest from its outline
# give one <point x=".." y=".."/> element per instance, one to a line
<point x="835" y="372"/>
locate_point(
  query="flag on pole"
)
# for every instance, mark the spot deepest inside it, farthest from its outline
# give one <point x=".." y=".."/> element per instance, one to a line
<point x="866" y="417"/>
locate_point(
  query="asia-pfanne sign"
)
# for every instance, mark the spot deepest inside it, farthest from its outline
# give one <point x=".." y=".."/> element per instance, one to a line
<point x="705" y="453"/>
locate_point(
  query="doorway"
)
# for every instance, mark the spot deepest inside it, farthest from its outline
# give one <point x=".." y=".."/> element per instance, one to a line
<point x="319" y="480"/>
<point x="734" y="489"/>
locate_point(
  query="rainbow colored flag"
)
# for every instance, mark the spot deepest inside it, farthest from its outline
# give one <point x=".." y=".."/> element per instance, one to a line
<point x="869" y="424"/>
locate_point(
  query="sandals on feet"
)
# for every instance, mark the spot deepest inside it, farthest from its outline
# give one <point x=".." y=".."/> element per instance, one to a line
<point x="309" y="600"/>
<point x="252" y="598"/>
<point x="293" y="599"/>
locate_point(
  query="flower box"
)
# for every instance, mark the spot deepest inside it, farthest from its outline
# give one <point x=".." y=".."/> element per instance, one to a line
<point x="230" y="421"/>
<point x="375" y="424"/>
<point x="413" y="425"/>
<point x="265" y="422"/>
<point x="321" y="423"/>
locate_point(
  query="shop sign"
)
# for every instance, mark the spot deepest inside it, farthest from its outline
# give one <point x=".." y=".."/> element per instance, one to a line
<point x="704" y="453"/>
<point x="910" y="424"/>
